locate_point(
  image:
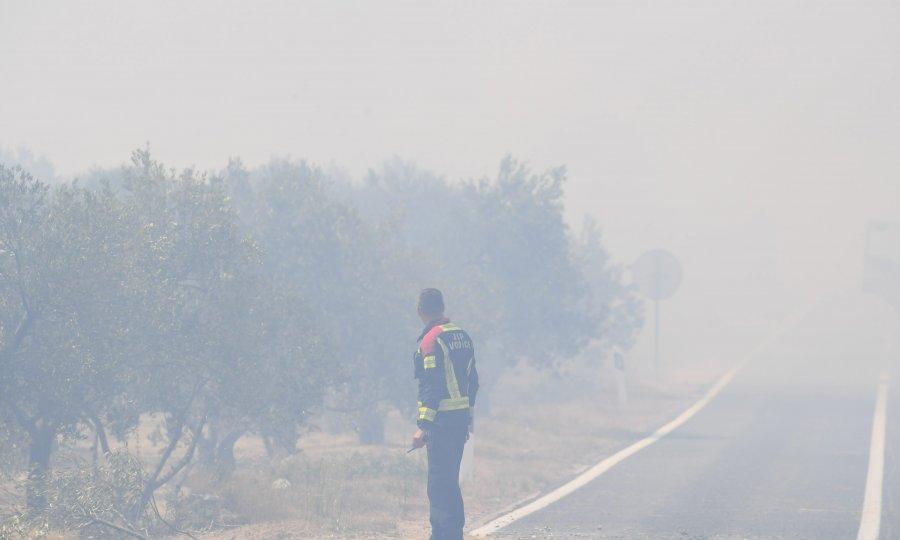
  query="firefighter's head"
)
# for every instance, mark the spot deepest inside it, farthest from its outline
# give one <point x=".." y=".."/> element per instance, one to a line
<point x="431" y="305"/>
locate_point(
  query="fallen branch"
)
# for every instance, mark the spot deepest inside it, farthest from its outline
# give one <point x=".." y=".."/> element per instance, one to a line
<point x="117" y="527"/>
<point x="174" y="529"/>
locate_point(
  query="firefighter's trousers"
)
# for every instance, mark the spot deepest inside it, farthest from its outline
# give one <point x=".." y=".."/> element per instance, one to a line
<point x="445" y="449"/>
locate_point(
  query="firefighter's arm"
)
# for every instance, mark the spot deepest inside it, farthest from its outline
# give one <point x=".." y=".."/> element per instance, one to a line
<point x="431" y="381"/>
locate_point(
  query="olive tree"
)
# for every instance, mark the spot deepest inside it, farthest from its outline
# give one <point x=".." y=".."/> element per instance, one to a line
<point x="66" y="311"/>
<point x="615" y="308"/>
<point x="501" y="251"/>
<point x="226" y="349"/>
<point x="336" y="269"/>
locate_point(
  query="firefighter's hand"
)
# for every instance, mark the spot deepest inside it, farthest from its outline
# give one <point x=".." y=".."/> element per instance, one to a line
<point x="418" y="439"/>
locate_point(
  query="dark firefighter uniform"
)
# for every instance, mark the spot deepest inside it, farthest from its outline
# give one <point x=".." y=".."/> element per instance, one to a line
<point x="448" y="382"/>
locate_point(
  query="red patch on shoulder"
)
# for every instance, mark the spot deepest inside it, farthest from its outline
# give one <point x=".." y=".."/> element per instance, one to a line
<point x="430" y="339"/>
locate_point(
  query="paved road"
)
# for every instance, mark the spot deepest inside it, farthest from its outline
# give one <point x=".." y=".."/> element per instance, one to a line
<point x="782" y="452"/>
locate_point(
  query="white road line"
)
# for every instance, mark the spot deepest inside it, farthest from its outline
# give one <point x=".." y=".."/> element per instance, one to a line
<point x="870" y="521"/>
<point x="613" y="460"/>
<point x="606" y="464"/>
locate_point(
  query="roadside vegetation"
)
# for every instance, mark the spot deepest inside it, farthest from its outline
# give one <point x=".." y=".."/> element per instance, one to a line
<point x="178" y="349"/>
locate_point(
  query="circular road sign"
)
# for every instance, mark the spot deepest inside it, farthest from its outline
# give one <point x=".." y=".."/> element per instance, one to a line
<point x="657" y="274"/>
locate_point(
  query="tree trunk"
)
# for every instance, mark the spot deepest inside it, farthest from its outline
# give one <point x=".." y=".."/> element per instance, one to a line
<point x="269" y="443"/>
<point x="279" y="441"/>
<point x="206" y="448"/>
<point x="225" y="461"/>
<point x="39" y="449"/>
<point x="101" y="435"/>
<point x="94" y="450"/>
<point x="158" y="478"/>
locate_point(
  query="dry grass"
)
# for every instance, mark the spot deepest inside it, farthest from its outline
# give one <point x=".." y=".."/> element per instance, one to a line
<point x="340" y="489"/>
<point x="337" y="488"/>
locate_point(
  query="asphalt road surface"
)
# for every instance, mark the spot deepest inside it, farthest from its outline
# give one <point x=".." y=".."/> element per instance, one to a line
<point x="781" y="452"/>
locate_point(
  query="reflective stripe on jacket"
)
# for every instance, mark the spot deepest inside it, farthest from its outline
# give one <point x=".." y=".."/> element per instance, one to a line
<point x="445" y="368"/>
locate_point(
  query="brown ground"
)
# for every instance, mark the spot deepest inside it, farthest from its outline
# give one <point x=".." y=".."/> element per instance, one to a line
<point x="338" y="488"/>
<point x="520" y="451"/>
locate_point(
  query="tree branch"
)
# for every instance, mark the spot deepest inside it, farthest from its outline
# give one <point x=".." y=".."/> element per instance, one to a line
<point x="185" y="459"/>
<point x="173" y="443"/>
<point x="29" y="424"/>
<point x="26" y="305"/>
<point x="100" y="431"/>
<point x="117" y="527"/>
<point x="21" y="331"/>
<point x="166" y="523"/>
<point x="154" y="482"/>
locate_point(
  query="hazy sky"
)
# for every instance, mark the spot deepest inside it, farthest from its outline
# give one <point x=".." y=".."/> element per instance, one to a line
<point x="751" y="138"/>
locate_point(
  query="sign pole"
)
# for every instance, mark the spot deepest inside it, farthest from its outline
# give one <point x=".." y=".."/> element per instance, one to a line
<point x="657" y="274"/>
<point x="656" y="336"/>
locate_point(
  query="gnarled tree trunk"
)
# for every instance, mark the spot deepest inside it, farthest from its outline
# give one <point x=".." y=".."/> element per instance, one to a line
<point x="39" y="449"/>
<point x="225" y="461"/>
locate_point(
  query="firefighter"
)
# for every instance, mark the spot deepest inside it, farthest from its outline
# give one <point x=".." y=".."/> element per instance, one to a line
<point x="445" y="368"/>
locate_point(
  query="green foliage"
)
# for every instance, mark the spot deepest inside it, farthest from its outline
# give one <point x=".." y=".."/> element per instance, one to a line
<point x="248" y="301"/>
<point x="65" y="306"/>
<point x="500" y="250"/>
<point x="90" y="500"/>
<point x="108" y="492"/>
<point x="615" y="308"/>
<point x="22" y="527"/>
<point x="12" y="447"/>
<point x="332" y="274"/>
